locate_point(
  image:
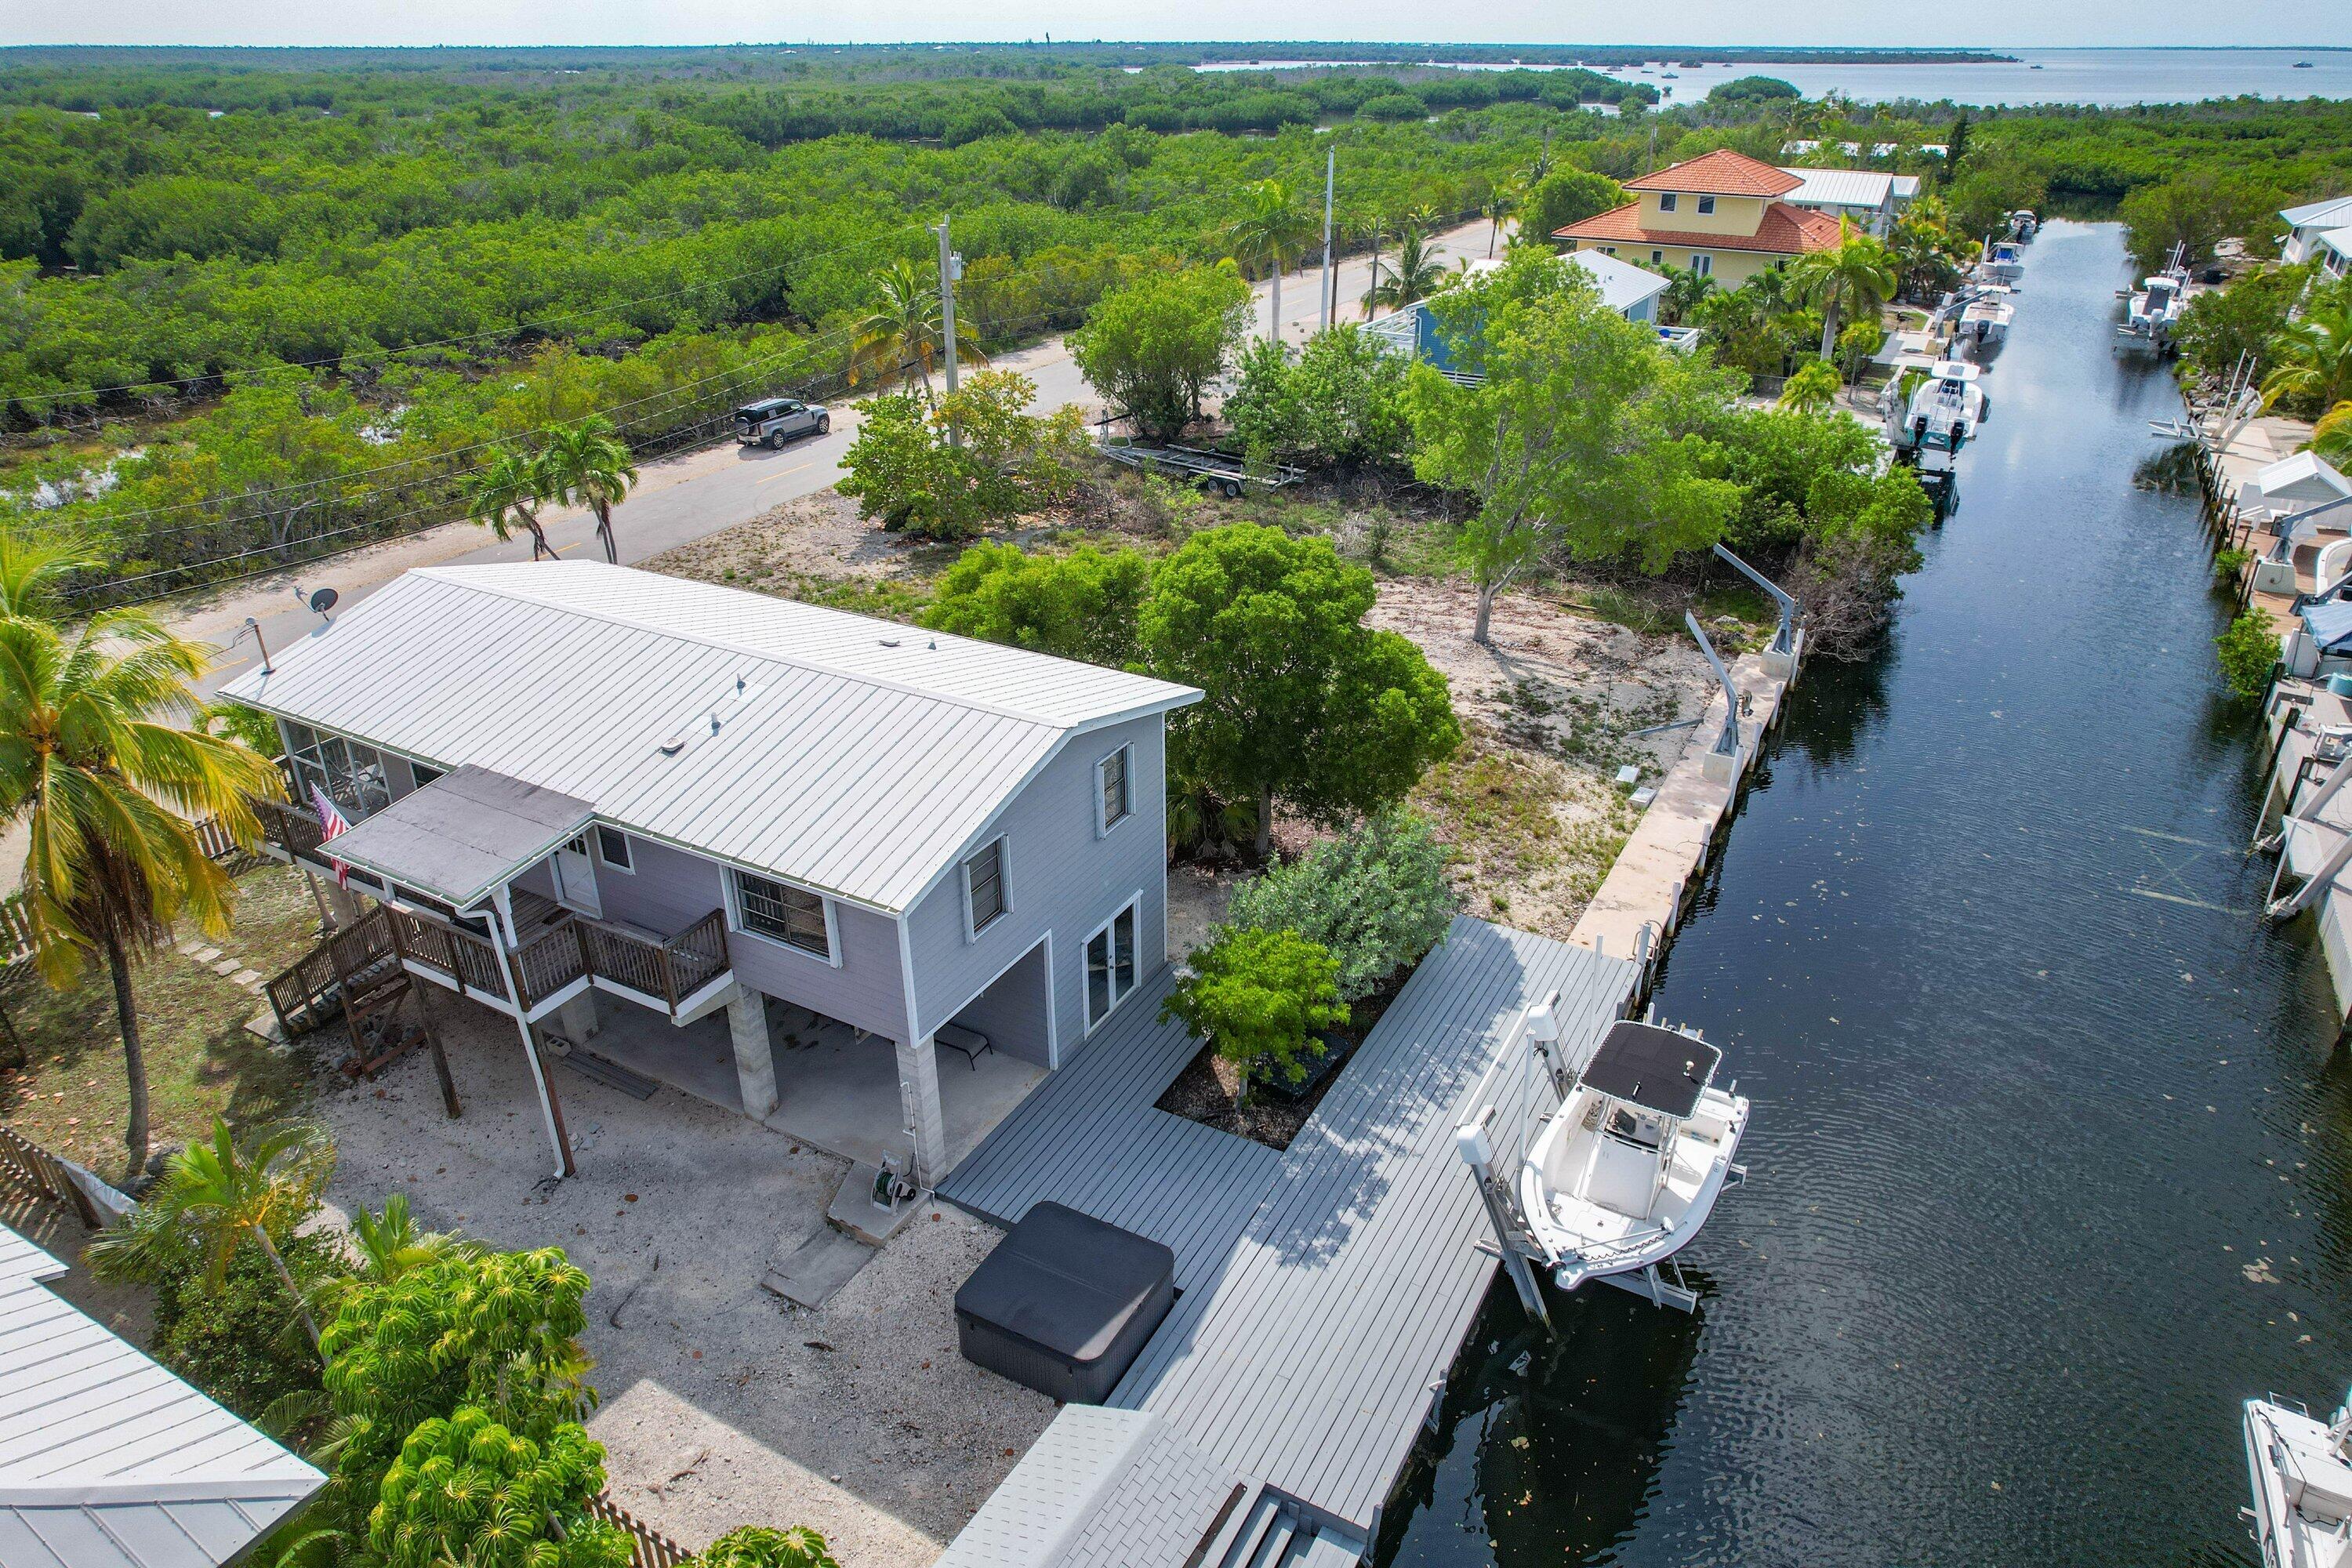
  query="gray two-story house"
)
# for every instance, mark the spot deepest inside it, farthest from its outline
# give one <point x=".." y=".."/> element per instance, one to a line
<point x="608" y="802"/>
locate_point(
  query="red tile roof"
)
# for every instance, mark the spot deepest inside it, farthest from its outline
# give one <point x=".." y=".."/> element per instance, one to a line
<point x="1785" y="231"/>
<point x="1722" y="172"/>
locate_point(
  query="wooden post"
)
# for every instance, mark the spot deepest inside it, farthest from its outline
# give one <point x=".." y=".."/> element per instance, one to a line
<point x="440" y="1057"/>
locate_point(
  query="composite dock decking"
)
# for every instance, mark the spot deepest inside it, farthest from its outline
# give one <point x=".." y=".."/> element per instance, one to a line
<point x="1326" y="1288"/>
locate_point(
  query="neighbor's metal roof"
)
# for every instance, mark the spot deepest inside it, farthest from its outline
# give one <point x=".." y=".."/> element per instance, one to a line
<point x="2335" y="209"/>
<point x="109" y="1461"/>
<point x="853" y="755"/>
<point x="1840" y="188"/>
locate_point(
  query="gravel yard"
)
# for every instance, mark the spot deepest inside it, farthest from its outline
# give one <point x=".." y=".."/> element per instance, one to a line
<point x="722" y="1405"/>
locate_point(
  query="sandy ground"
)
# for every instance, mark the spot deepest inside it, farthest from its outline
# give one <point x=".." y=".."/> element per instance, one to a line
<point x="1548" y="710"/>
<point x="817" y="536"/>
<point x="722" y="1405"/>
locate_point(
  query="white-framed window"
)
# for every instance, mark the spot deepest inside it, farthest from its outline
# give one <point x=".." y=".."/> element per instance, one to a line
<point x="1666" y="201"/>
<point x="1114" y="790"/>
<point x="612" y="850"/>
<point x="1702" y="263"/>
<point x="1110" y="962"/>
<point x="987" y="892"/>
<point x="350" y="774"/>
<point x="1706" y="203"/>
<point x="1657" y="259"/>
<point x="783" y="913"/>
<point x="1608" y="251"/>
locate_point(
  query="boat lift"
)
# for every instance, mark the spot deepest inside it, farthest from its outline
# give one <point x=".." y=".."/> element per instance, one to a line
<point x="1532" y="1045"/>
<point x="1721" y="762"/>
<point x="1780" y="654"/>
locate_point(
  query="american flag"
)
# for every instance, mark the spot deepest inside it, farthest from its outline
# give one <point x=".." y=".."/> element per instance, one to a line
<point x="331" y="823"/>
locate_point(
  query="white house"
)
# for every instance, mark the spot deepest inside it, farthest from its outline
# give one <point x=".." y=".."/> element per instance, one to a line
<point x="568" y="781"/>
<point x="2310" y="223"/>
<point x="1870" y="200"/>
<point x="2334" y="250"/>
<point x="109" y="1461"/>
<point x="1631" y="291"/>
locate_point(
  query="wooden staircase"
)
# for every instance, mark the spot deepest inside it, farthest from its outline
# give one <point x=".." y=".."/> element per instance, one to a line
<point x="356" y="975"/>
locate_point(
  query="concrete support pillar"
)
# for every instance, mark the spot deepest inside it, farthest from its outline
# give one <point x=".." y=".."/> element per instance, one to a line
<point x="918" y="1098"/>
<point x="576" y="1019"/>
<point x="755" y="1051"/>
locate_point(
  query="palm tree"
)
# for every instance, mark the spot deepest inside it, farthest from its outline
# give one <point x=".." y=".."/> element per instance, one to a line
<point x="215" y="1197"/>
<point x="1686" y="291"/>
<point x="2332" y="437"/>
<point x="509" y="490"/>
<point x="1413" y="275"/>
<point x="1271" y="231"/>
<point x="1501" y="204"/>
<point x="2313" y="356"/>
<point x="1771" y="289"/>
<point x="104" y="765"/>
<point x="1854" y="278"/>
<point x="1813" y="388"/>
<point x="903" y="333"/>
<point x="586" y="464"/>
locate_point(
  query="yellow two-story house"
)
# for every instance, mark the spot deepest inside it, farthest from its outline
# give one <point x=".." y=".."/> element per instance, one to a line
<point x="1719" y="214"/>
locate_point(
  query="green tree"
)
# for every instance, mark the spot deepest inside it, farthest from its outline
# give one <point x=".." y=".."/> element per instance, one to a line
<point x="902" y="472"/>
<point x="757" y="1546"/>
<point x="585" y="463"/>
<point x="906" y="467"/>
<point x="1811" y="389"/>
<point x="509" y="488"/>
<point x="1929" y="254"/>
<point x="1858" y="343"/>
<point x="2193" y="212"/>
<point x="1304" y="703"/>
<point x="217" y="1196"/>
<point x="1392" y="107"/>
<point x="1585" y="434"/>
<point x="1257" y="996"/>
<point x="1565" y="196"/>
<point x="99" y="767"/>
<point x="465" y="1489"/>
<point x="1988" y="191"/>
<point x="1152" y="348"/>
<point x="1270" y="231"/>
<point x="902" y="332"/>
<point x="2311" y="358"/>
<point x="1341" y="400"/>
<point x="1854" y="279"/>
<point x="1412" y="276"/>
<point x="2332" y="437"/>
<point x="2221" y="326"/>
<point x="2248" y="650"/>
<point x="1084" y="605"/>
<point x="1686" y="294"/>
<point x="238" y="1339"/>
<point x="1376" y="898"/>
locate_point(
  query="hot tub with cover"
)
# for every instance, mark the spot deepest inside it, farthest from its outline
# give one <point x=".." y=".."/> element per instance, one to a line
<point x="1064" y="1303"/>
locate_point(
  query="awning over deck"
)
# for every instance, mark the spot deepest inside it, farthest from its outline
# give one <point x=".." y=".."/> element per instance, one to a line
<point x="462" y="835"/>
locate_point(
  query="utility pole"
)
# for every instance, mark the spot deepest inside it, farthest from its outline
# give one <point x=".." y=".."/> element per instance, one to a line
<point x="950" y="268"/>
<point x="1330" y="175"/>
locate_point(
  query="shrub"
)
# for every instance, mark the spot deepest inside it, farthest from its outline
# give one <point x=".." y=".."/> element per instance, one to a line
<point x="2229" y="564"/>
<point x="1376" y="899"/>
<point x="757" y="1546"/>
<point x="904" y="470"/>
<point x="2249" y="651"/>
<point x="1340" y="401"/>
<point x="1393" y="106"/>
<point x="466" y="1490"/>
<point x="1257" y="996"/>
<point x="1152" y="348"/>
<point x="241" y="1342"/>
<point x="1080" y="605"/>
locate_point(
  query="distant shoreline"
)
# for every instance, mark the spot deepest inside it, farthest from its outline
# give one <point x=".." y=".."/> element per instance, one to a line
<point x="1173" y="53"/>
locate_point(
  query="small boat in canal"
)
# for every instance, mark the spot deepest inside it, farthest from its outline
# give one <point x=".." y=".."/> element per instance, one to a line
<point x="2302" y="1474"/>
<point x="1985" y="321"/>
<point x="2023" y="224"/>
<point x="2153" y="316"/>
<point x="1622" y="1175"/>
<point x="1945" y="412"/>
<point x="2004" y="262"/>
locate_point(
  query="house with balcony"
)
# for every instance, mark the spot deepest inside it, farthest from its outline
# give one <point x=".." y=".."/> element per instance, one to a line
<point x="866" y="882"/>
<point x="1723" y="215"/>
<point x="2308" y="225"/>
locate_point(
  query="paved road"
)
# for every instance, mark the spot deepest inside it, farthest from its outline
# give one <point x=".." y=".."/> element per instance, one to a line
<point x="678" y="499"/>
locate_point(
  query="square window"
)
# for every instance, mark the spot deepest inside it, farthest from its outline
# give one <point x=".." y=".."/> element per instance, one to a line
<point x="792" y="916"/>
<point x="1115" y="805"/>
<point x="1706" y="203"/>
<point x="1657" y="257"/>
<point x="983" y="880"/>
<point x="613" y="847"/>
<point x="1666" y="202"/>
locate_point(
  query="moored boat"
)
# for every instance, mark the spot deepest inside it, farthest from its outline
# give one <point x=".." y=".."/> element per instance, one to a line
<point x="1622" y="1175"/>
<point x="2302" y="1476"/>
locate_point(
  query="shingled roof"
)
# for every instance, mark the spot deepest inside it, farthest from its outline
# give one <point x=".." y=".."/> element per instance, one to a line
<point x="1722" y="172"/>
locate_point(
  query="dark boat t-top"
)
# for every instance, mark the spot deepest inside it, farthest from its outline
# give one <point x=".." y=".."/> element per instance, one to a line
<point x="1656" y="1069"/>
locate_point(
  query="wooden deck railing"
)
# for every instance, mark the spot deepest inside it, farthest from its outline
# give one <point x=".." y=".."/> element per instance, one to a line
<point x="293" y="831"/>
<point x="672" y="969"/>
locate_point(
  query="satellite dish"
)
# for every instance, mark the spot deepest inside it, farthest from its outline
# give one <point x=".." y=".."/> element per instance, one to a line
<point x="324" y="600"/>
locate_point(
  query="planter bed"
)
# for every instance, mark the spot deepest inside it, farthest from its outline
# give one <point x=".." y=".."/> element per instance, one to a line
<point x="1205" y="1089"/>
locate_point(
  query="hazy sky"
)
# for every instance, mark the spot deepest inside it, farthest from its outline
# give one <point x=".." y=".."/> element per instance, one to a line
<point x="1987" y="23"/>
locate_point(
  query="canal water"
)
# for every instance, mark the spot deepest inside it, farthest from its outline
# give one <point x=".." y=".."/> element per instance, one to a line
<point x="2050" y="1165"/>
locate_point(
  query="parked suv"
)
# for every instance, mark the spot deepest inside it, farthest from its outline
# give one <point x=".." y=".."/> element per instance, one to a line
<point x="772" y="420"/>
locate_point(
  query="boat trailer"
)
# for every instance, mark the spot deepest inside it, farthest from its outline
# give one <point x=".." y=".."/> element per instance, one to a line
<point x="1219" y="472"/>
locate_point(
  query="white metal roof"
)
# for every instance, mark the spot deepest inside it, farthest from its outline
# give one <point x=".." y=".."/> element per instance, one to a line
<point x="1840" y="188"/>
<point x="2334" y="210"/>
<point x="109" y="1461"/>
<point x="1623" y="286"/>
<point x="852" y="755"/>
